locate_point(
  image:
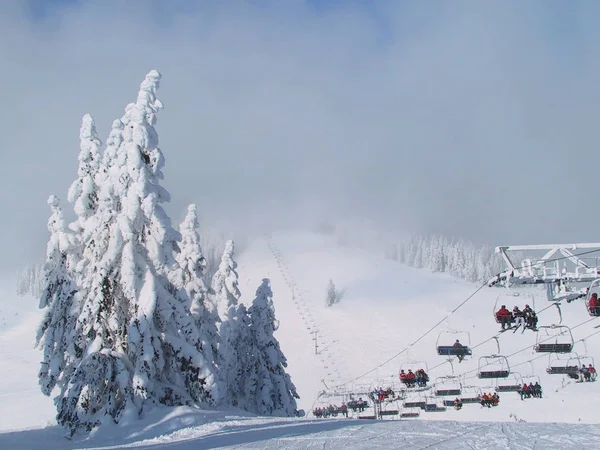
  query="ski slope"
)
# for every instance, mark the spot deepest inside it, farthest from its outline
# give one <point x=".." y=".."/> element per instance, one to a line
<point x="385" y="307"/>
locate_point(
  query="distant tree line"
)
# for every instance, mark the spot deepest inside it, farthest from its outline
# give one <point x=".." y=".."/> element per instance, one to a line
<point x="456" y="256"/>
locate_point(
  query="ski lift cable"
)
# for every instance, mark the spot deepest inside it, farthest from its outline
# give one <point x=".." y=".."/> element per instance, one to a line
<point x="420" y="337"/>
<point x="523" y="349"/>
<point x="532" y="359"/>
<point x="528" y="347"/>
<point x="452" y="312"/>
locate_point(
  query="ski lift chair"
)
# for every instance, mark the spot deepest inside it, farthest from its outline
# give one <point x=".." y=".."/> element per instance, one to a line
<point x="587" y="361"/>
<point x="414" y="404"/>
<point x="568" y="366"/>
<point x="508" y="298"/>
<point x="409" y="414"/>
<point x="446" y="337"/>
<point x="471" y="395"/>
<point x="556" y="339"/>
<point x="432" y="405"/>
<point x="513" y="383"/>
<point x="493" y="366"/>
<point x="448" y="386"/>
<point x="414" y="365"/>
<point x="388" y="412"/>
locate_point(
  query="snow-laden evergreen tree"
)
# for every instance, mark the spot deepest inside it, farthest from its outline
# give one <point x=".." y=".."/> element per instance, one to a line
<point x="83" y="193"/>
<point x="192" y="265"/>
<point x="55" y="332"/>
<point x="224" y="284"/>
<point x="135" y="340"/>
<point x="270" y="388"/>
<point x="332" y="294"/>
<point x="237" y="353"/>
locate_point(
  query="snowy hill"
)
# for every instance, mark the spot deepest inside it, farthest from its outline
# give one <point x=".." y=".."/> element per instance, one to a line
<point x="385" y="306"/>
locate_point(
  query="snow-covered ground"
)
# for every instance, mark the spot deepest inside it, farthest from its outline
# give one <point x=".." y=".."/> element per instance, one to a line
<point x="385" y="307"/>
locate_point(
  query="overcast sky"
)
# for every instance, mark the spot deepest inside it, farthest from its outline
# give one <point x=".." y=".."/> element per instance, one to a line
<point x="477" y="119"/>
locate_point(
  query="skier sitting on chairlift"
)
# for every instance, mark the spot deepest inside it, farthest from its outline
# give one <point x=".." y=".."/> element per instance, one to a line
<point x="422" y="378"/>
<point x="592" y="372"/>
<point x="536" y="390"/>
<point x="344" y="409"/>
<point x="518" y="316"/>
<point x="594" y="304"/>
<point x="458" y="403"/>
<point x="403" y="378"/>
<point x="530" y="318"/>
<point x="504" y="317"/>
<point x="495" y="399"/>
<point x="460" y="355"/>
<point x="586" y="375"/>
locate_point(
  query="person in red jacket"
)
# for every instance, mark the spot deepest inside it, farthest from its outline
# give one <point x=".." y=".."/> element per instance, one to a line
<point x="594" y="304"/>
<point x="504" y="316"/>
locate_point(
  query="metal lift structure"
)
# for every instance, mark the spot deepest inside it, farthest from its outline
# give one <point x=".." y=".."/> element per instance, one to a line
<point x="560" y="268"/>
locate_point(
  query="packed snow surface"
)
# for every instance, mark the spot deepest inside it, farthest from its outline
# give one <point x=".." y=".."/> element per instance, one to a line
<point x="244" y="433"/>
<point x="385" y="306"/>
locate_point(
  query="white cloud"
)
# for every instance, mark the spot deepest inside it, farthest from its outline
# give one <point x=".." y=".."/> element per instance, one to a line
<point x="477" y="120"/>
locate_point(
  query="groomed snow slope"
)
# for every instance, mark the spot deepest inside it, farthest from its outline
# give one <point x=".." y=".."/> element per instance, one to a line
<point x="385" y="307"/>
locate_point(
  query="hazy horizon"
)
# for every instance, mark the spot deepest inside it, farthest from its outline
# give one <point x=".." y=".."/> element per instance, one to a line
<point x="466" y="119"/>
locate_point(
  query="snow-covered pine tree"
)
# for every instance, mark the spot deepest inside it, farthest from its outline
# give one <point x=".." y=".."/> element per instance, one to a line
<point x="332" y="294"/>
<point x="224" y="285"/>
<point x="192" y="265"/>
<point x="136" y="341"/>
<point x="83" y="193"/>
<point x="273" y="392"/>
<point x="237" y="353"/>
<point x="55" y="332"/>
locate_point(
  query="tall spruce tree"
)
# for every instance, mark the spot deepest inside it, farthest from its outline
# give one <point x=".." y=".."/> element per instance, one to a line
<point x="235" y="347"/>
<point x="55" y="332"/>
<point x="224" y="285"/>
<point x="83" y="192"/>
<point x="237" y="350"/>
<point x="270" y="386"/>
<point x="135" y="340"/>
<point x="192" y="265"/>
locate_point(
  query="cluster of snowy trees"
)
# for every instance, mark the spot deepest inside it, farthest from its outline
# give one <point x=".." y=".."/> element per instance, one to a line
<point x="129" y="321"/>
<point x="458" y="257"/>
<point x="30" y="280"/>
<point x="438" y="253"/>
